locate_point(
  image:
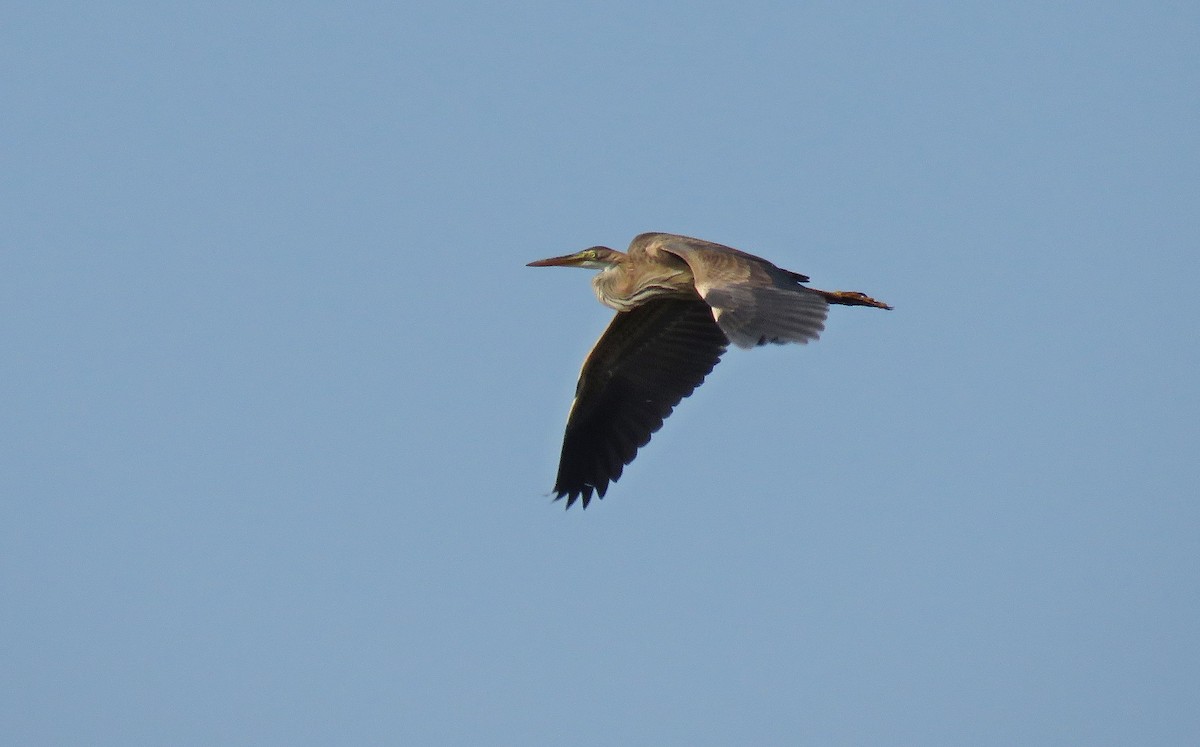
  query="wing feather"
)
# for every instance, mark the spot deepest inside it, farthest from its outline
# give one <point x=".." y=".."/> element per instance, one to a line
<point x="752" y="300"/>
<point x="648" y="359"/>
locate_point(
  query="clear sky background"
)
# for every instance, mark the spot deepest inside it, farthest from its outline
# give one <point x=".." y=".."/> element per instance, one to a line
<point x="282" y="404"/>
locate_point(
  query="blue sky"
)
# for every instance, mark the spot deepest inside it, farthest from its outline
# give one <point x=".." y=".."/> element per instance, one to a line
<point x="282" y="403"/>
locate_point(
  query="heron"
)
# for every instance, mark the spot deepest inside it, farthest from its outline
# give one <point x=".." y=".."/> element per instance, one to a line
<point x="680" y="302"/>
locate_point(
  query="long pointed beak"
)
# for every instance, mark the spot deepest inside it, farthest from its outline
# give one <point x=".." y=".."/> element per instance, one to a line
<point x="567" y="260"/>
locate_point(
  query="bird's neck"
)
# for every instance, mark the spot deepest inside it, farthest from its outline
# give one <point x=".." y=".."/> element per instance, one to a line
<point x="620" y="289"/>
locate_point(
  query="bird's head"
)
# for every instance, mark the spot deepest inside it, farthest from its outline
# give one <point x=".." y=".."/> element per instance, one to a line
<point x="595" y="258"/>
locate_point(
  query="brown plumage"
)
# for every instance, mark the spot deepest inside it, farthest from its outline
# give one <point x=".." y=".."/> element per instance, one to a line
<point x="680" y="302"/>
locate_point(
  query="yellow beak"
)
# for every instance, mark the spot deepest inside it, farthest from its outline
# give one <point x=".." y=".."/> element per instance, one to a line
<point x="567" y="260"/>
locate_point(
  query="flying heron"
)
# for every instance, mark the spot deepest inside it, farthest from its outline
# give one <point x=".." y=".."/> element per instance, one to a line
<point x="680" y="302"/>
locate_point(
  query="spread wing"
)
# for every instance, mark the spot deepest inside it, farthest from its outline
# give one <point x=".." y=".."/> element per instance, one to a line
<point x="753" y="301"/>
<point x="648" y="359"/>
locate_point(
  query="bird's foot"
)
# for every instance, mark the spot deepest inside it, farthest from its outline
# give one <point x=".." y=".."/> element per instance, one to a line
<point x="853" y="298"/>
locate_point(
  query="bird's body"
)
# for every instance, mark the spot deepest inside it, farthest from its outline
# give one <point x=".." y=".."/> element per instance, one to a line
<point x="680" y="302"/>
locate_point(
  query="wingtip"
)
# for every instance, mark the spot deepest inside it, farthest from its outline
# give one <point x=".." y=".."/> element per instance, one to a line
<point x="572" y="498"/>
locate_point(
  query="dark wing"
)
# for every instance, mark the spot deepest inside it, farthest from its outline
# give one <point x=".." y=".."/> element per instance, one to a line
<point x="647" y="360"/>
<point x="754" y="301"/>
